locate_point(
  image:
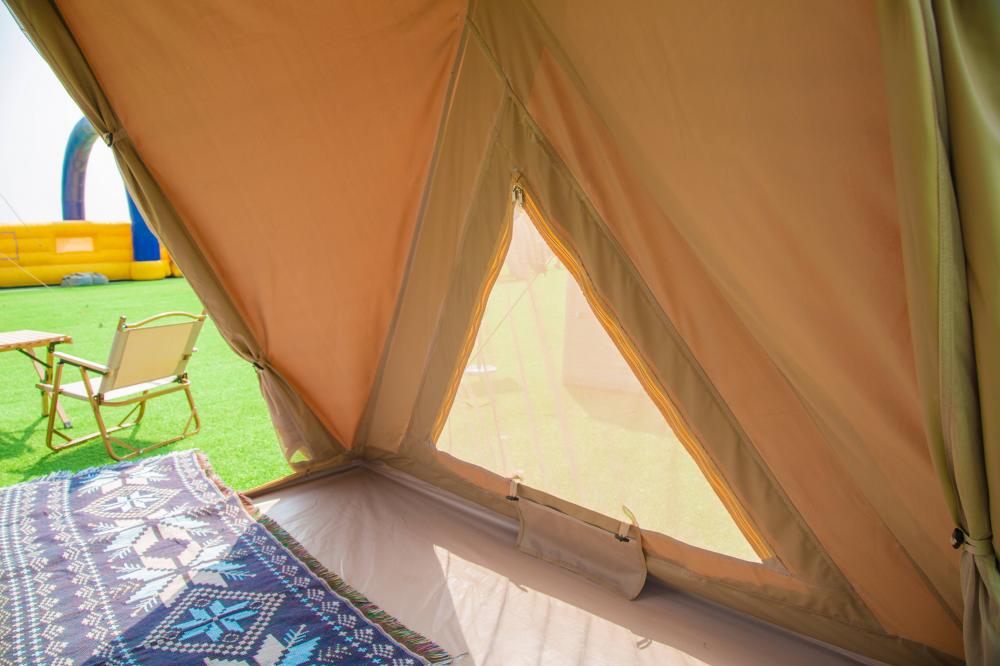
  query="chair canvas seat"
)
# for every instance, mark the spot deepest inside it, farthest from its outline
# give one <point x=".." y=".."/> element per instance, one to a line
<point x="79" y="391"/>
<point x="145" y="362"/>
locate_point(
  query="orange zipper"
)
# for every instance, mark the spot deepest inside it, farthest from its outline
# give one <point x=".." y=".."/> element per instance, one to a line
<point x="477" y="317"/>
<point x="628" y="351"/>
<point x="652" y="386"/>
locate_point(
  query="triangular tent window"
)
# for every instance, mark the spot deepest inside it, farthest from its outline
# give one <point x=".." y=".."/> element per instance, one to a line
<point x="546" y="394"/>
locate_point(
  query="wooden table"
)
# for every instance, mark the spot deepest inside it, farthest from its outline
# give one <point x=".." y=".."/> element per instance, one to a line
<point x="24" y="342"/>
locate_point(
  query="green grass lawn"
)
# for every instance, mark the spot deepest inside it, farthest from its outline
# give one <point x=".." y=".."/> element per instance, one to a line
<point x="236" y="431"/>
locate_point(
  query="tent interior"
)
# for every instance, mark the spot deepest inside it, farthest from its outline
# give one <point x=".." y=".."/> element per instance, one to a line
<point x="448" y="570"/>
<point x="699" y="301"/>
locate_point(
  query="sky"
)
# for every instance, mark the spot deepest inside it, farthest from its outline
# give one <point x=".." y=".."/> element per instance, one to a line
<point x="36" y="116"/>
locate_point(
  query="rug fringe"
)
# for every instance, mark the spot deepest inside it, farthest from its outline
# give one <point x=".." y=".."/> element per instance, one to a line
<point x="67" y="473"/>
<point x="209" y="471"/>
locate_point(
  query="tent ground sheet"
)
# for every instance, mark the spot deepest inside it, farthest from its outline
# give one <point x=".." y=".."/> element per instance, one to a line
<point x="449" y="569"/>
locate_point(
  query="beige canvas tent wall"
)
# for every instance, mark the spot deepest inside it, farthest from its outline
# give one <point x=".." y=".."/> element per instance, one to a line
<point x="789" y="213"/>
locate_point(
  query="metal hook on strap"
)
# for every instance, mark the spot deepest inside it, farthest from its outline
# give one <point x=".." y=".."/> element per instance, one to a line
<point x="623" y="527"/>
<point x="512" y="489"/>
<point x="517" y="195"/>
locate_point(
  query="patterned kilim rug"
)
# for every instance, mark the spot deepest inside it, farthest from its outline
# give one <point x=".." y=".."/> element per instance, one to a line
<point x="158" y="562"/>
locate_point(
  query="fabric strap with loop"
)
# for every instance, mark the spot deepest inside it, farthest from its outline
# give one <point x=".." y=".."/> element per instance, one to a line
<point x="623" y="527"/>
<point x="975" y="546"/>
<point x="113" y="137"/>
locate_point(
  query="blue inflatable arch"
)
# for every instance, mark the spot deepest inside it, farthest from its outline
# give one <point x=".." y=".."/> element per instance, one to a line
<point x="145" y="246"/>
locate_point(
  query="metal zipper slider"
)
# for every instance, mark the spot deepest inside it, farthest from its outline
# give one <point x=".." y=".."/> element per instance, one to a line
<point x="517" y="195"/>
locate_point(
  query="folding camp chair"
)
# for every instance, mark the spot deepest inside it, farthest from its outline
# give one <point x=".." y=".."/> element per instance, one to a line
<point x="145" y="362"/>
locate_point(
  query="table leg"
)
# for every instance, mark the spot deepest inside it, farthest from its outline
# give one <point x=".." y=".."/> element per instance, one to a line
<point x="45" y="374"/>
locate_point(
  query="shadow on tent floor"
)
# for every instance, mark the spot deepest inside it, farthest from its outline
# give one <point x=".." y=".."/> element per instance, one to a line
<point x="452" y="574"/>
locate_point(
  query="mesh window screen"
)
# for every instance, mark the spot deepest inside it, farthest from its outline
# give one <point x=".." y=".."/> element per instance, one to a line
<point x="547" y="395"/>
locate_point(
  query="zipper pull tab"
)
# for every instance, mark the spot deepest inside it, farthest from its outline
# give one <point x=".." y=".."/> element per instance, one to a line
<point x="517" y="195"/>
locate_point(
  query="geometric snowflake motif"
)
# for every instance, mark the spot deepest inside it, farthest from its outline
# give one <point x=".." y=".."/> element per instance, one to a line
<point x="295" y="648"/>
<point x="210" y="620"/>
<point x="110" y="478"/>
<point x="131" y="502"/>
<point x="119" y="535"/>
<point x="171" y="559"/>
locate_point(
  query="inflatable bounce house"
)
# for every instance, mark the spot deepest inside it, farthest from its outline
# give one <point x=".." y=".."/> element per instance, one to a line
<point x="47" y="252"/>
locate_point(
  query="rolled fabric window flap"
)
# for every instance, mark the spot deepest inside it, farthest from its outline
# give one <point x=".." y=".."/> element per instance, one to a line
<point x="613" y="560"/>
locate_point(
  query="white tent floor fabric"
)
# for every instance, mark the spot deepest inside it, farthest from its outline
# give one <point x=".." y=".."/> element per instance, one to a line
<point x="450" y="572"/>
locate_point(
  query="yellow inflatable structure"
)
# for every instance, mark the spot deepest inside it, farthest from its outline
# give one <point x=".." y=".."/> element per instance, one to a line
<point x="45" y="252"/>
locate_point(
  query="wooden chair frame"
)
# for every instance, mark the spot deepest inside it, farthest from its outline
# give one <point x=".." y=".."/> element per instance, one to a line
<point x="98" y="400"/>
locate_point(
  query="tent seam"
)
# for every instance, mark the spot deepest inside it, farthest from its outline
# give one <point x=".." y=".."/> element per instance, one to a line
<point x="361" y="436"/>
<point x="876" y="632"/>
<point x="113" y="124"/>
<point x="741" y="434"/>
<point x="816" y="543"/>
<point x="125" y="139"/>
<point x="494" y="143"/>
<point x="847" y="585"/>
